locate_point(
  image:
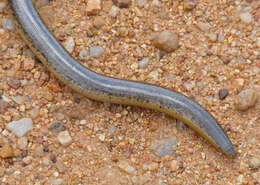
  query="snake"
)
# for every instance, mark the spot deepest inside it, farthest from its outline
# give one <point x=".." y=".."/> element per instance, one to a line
<point x="58" y="61"/>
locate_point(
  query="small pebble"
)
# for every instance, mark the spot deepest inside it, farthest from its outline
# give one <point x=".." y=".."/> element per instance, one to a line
<point x="3" y="106"/>
<point x="96" y="51"/>
<point x="46" y="149"/>
<point x="46" y="161"/>
<point x="212" y="37"/>
<point x="83" y="122"/>
<point x="84" y="54"/>
<point x="122" y="3"/>
<point x="102" y="137"/>
<point x="18" y="99"/>
<point x="2" y="5"/>
<point x="189" y="4"/>
<point x="165" y="146"/>
<point x="204" y="26"/>
<point x="20" y="127"/>
<point x="9" y="171"/>
<point x="24" y="153"/>
<point x="22" y="143"/>
<point x="6" y="151"/>
<point x="64" y="138"/>
<point x="93" y="7"/>
<point x="239" y="83"/>
<point x="246" y="99"/>
<point x="99" y="22"/>
<point x="39" y="151"/>
<point x="174" y="166"/>
<point x="53" y="158"/>
<point x="34" y="113"/>
<point x="180" y="126"/>
<point x="28" y="160"/>
<point x="60" y="116"/>
<point x="143" y="63"/>
<point x="14" y="83"/>
<point x="246" y="17"/>
<point x="167" y="41"/>
<point x="153" y="75"/>
<point x="28" y="64"/>
<point x="114" y="11"/>
<point x="69" y="44"/>
<point x="8" y="25"/>
<point x="254" y="163"/>
<point x="61" y="167"/>
<point x="56" y="127"/>
<point x="141" y="3"/>
<point x="222" y="94"/>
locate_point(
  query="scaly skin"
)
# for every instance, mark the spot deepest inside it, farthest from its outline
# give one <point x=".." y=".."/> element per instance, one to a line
<point x="102" y="88"/>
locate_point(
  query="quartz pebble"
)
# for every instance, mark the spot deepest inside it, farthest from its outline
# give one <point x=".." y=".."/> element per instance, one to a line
<point x="20" y="127"/>
<point x="64" y="138"/>
<point x="246" y="99"/>
<point x="246" y="17"/>
<point x="8" y="25"/>
<point x="84" y="54"/>
<point x="143" y="63"/>
<point x="167" y="41"/>
<point x="114" y="11"/>
<point x="69" y="44"/>
<point x="96" y="51"/>
<point x="18" y="99"/>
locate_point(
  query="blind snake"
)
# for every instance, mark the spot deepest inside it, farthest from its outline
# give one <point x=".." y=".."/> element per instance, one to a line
<point x="101" y="88"/>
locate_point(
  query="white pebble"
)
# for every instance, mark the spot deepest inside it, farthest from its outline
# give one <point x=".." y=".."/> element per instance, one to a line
<point x="20" y="127"/>
<point x="70" y="44"/>
<point x="246" y="17"/>
<point x="64" y="138"/>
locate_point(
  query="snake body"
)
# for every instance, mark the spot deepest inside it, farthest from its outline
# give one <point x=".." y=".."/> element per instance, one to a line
<point x="101" y="88"/>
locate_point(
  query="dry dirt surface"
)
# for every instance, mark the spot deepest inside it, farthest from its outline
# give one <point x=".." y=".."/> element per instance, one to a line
<point x="51" y="135"/>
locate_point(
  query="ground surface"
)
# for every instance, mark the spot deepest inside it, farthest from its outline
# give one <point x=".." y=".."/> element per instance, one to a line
<point x="112" y="144"/>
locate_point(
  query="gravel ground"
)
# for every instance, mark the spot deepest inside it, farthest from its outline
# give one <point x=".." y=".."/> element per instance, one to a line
<point x="208" y="50"/>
